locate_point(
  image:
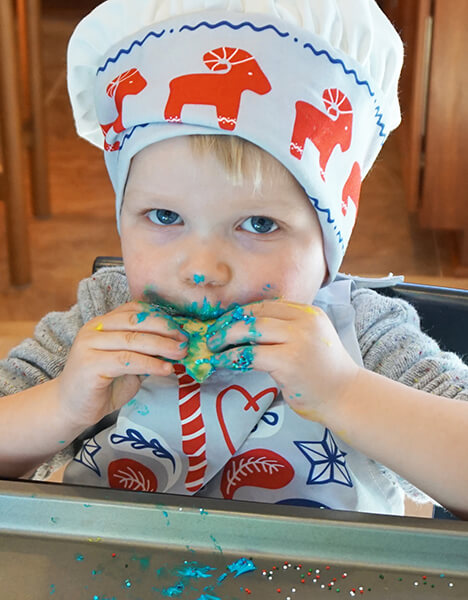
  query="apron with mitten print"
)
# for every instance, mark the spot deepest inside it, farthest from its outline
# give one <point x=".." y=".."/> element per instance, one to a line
<point x="234" y="437"/>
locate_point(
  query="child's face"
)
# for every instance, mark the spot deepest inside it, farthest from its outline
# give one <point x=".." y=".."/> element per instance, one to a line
<point x="193" y="239"/>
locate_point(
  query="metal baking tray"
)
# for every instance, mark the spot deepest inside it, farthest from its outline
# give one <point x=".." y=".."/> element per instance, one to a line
<point x="73" y="542"/>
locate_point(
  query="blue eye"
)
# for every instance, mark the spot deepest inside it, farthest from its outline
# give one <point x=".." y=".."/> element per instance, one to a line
<point x="162" y="216"/>
<point x="259" y="225"/>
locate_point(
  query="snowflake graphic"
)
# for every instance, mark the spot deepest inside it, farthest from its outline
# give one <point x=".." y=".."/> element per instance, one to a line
<point x="327" y="461"/>
<point x="87" y="453"/>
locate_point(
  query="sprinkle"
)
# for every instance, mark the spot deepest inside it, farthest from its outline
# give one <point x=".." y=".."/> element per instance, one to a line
<point x="128" y="583"/>
<point x="99" y="327"/>
<point x="243" y="565"/>
<point x="62" y="442"/>
<point x="79" y="557"/>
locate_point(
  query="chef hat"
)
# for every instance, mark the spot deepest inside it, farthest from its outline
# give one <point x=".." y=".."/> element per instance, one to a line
<point x="312" y="82"/>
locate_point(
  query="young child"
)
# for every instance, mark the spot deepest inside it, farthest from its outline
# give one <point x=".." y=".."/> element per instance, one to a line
<point x="236" y="138"/>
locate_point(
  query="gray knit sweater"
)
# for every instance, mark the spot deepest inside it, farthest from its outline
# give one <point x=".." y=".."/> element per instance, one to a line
<point x="388" y="332"/>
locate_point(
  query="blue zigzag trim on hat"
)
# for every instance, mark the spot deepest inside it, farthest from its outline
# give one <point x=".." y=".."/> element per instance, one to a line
<point x="129" y="49"/>
<point x="232" y="26"/>
<point x="380" y="123"/>
<point x="378" y="113"/>
<point x="339" y="61"/>
<point x="316" y="203"/>
<point x="127" y="136"/>
<point x="358" y="81"/>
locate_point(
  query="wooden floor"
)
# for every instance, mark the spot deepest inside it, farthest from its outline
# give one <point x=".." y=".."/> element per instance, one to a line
<point x="386" y="238"/>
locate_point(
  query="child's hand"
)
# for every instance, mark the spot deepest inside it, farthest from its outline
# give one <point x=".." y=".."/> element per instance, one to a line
<point x="296" y="344"/>
<point x="111" y="354"/>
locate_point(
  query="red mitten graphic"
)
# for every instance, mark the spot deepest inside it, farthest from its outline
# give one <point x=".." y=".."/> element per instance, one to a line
<point x="128" y="474"/>
<point x="233" y="71"/>
<point x="325" y="130"/>
<point x="259" y="468"/>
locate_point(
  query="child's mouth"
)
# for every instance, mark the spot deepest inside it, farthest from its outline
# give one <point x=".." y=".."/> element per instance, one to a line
<point x="204" y="311"/>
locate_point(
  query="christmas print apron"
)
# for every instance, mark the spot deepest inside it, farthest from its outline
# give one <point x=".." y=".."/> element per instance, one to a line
<point x="234" y="437"/>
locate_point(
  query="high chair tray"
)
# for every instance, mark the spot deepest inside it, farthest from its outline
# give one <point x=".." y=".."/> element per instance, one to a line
<point x="59" y="541"/>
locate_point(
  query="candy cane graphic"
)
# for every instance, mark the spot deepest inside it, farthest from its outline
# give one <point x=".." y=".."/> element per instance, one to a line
<point x="193" y="429"/>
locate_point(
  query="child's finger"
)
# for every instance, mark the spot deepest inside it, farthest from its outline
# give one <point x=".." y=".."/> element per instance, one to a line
<point x="260" y="331"/>
<point x="113" y="364"/>
<point x="274" y="309"/>
<point x="248" y="358"/>
<point x="136" y="316"/>
<point x="144" y="343"/>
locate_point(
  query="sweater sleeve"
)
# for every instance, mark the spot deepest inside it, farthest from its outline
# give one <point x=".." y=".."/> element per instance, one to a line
<point x="392" y="344"/>
<point x="43" y="357"/>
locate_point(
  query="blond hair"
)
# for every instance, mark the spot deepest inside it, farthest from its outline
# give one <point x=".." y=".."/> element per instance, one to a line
<point x="238" y="157"/>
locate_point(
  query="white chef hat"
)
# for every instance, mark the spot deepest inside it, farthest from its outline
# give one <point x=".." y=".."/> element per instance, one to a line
<point x="312" y="82"/>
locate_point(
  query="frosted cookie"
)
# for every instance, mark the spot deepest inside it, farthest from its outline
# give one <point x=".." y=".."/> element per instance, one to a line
<point x="197" y="363"/>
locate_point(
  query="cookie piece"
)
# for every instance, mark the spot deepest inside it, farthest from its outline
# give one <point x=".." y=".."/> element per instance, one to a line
<point x="197" y="362"/>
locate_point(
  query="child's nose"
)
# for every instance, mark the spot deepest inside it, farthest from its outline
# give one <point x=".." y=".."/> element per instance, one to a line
<point x="205" y="268"/>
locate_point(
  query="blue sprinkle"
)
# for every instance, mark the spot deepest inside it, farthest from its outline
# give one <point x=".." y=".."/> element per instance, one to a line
<point x="128" y="583"/>
<point x="203" y="512"/>
<point x="175" y="590"/>
<point x="198" y="279"/>
<point x="221" y="577"/>
<point x="79" y="557"/>
<point x="243" y="565"/>
<point x="217" y="546"/>
<point x="193" y="570"/>
<point x="52" y="589"/>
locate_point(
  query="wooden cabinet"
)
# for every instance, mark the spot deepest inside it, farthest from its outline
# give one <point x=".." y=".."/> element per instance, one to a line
<point x="434" y="101"/>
